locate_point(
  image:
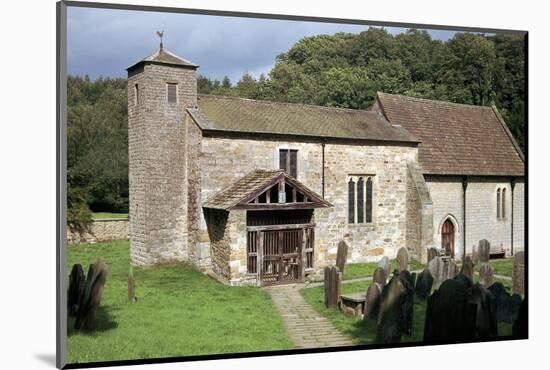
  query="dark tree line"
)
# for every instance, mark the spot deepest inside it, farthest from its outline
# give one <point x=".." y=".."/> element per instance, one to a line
<point x="341" y="70"/>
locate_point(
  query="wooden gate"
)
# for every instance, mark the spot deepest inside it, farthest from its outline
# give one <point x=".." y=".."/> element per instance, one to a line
<point x="286" y="252"/>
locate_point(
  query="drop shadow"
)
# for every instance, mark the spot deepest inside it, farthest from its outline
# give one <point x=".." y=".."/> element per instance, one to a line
<point x="103" y="322"/>
<point x="46" y="358"/>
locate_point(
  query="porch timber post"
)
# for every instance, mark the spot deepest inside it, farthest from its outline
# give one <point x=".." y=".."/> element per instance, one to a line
<point x="280" y="252"/>
<point x="303" y="255"/>
<point x="259" y="256"/>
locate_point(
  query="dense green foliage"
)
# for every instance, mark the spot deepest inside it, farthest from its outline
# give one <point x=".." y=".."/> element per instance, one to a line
<point x="179" y="312"/>
<point x="341" y="70"/>
<point x="346" y="70"/>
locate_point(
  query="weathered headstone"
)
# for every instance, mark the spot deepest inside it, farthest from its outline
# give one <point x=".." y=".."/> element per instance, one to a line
<point x="442" y="268"/>
<point x="518" y="274"/>
<point x="396" y="310"/>
<point x="131" y="286"/>
<point x="520" y="327"/>
<point x="333" y="280"/>
<point x="379" y="276"/>
<point x="475" y="254"/>
<point x="402" y="259"/>
<point x="468" y="268"/>
<point x="507" y="306"/>
<point x="424" y="284"/>
<point x="91" y="297"/>
<point x="486" y="275"/>
<point x="76" y="288"/>
<point x="432" y="253"/>
<point x="372" y="301"/>
<point x="484" y="250"/>
<point x="449" y="314"/>
<point x="384" y="263"/>
<point x="342" y="255"/>
<point x="485" y="318"/>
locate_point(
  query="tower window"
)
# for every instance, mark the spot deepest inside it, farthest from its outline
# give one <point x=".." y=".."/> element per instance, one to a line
<point x="288" y="161"/>
<point x="172" y="92"/>
<point x="136" y="94"/>
<point x="498" y="204"/>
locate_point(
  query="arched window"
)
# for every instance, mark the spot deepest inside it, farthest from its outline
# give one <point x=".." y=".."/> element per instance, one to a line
<point x="351" y="201"/>
<point x="498" y="204"/>
<point x="503" y="203"/>
<point x="360" y="199"/>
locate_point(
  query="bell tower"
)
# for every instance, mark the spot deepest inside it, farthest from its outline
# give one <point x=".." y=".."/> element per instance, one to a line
<point x="160" y="89"/>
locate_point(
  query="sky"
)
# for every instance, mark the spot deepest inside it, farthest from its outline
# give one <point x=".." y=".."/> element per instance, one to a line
<point x="103" y="42"/>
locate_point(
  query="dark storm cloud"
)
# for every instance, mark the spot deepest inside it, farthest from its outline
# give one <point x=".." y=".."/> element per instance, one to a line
<point x="103" y="42"/>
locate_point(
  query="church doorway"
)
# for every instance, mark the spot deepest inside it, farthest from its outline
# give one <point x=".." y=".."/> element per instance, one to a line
<point x="448" y="238"/>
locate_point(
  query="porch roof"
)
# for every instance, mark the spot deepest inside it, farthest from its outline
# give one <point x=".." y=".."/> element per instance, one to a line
<point x="243" y="193"/>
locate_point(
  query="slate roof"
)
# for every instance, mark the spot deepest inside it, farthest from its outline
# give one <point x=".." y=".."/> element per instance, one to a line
<point x="164" y="56"/>
<point x="456" y="139"/>
<point x="231" y="114"/>
<point x="252" y="183"/>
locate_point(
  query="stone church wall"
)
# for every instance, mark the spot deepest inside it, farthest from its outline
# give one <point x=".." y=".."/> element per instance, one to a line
<point x="224" y="160"/>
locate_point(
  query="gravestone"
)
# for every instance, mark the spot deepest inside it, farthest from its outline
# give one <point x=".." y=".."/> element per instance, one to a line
<point x="402" y="259"/>
<point x="342" y="255"/>
<point x="379" y="276"/>
<point x="91" y="297"/>
<point x="77" y="281"/>
<point x="449" y="314"/>
<point x="333" y="280"/>
<point x="475" y="254"/>
<point x="518" y="274"/>
<point x="520" y="327"/>
<point x="396" y="311"/>
<point x="424" y="284"/>
<point x="442" y="268"/>
<point x="507" y="306"/>
<point x="372" y="302"/>
<point x="484" y="250"/>
<point x="486" y="275"/>
<point x="468" y="268"/>
<point x="485" y="318"/>
<point x="384" y="263"/>
<point x="432" y="253"/>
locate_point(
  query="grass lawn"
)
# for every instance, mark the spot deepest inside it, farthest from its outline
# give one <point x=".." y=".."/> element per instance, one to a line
<point x="179" y="312"/>
<point x="502" y="266"/>
<point x="101" y="215"/>
<point x="359" y="270"/>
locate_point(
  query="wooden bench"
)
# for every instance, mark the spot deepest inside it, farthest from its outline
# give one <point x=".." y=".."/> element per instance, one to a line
<point x="353" y="301"/>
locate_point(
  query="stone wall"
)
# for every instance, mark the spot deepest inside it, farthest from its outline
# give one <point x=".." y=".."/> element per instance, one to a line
<point x="101" y="231"/>
<point x="224" y="160"/>
<point x="481" y="211"/>
<point x="157" y="163"/>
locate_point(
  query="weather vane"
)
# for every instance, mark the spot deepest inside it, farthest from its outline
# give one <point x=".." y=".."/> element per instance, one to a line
<point x="160" y="34"/>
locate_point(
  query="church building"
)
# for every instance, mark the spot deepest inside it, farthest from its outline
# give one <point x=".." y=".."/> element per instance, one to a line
<point x="261" y="193"/>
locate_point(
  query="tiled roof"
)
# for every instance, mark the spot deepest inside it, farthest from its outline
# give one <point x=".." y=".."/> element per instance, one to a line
<point x="455" y="139"/>
<point x="252" y="183"/>
<point x="217" y="113"/>
<point x="163" y="56"/>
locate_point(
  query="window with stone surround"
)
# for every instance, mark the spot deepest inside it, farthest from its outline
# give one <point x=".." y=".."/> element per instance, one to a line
<point x="501" y="203"/>
<point x="288" y="161"/>
<point x="172" y="92"/>
<point x="360" y="193"/>
<point x="136" y="94"/>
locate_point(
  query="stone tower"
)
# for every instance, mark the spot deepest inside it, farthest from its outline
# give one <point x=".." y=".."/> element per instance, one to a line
<point x="160" y="89"/>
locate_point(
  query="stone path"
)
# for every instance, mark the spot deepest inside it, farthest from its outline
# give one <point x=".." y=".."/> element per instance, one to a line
<point x="305" y="326"/>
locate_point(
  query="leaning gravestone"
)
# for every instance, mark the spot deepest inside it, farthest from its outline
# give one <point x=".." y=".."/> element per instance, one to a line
<point x="333" y="280"/>
<point x="432" y="253"/>
<point x="424" y="284"/>
<point x="76" y="288"/>
<point x="384" y="263"/>
<point x="91" y="297"/>
<point x="484" y="250"/>
<point x="402" y="259"/>
<point x="485" y="317"/>
<point x="486" y="275"/>
<point x="442" y="268"/>
<point x="372" y="301"/>
<point x="507" y="306"/>
<point x="379" y="276"/>
<point x="518" y="274"/>
<point x="342" y="256"/>
<point x="468" y="268"/>
<point x="396" y="310"/>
